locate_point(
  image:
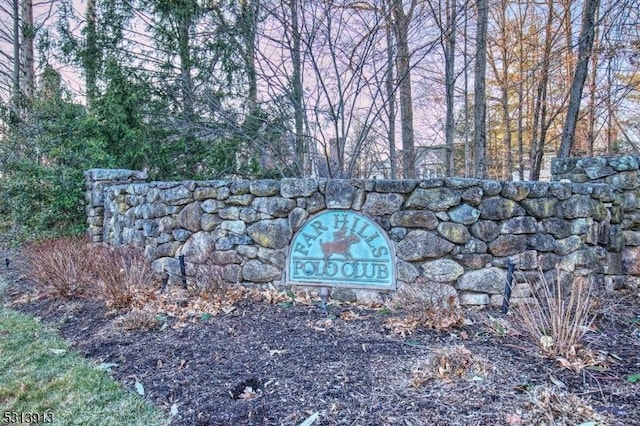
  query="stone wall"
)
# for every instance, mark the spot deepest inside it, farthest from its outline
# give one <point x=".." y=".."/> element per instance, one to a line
<point x="459" y="233"/>
<point x="623" y="175"/>
<point x="96" y="180"/>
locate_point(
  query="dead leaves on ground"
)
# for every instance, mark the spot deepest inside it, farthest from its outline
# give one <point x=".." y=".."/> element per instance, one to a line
<point x="449" y="363"/>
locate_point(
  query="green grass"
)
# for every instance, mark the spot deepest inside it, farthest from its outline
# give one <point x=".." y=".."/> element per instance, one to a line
<point x="40" y="373"/>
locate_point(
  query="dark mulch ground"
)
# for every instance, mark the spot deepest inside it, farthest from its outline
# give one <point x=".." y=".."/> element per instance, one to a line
<point x="278" y="365"/>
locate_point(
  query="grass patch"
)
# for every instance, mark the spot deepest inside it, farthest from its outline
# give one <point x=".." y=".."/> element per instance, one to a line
<point x="40" y="373"/>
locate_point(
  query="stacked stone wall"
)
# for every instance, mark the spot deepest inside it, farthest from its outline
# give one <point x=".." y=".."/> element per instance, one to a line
<point x="457" y="233"/>
<point x="622" y="174"/>
<point x="96" y="181"/>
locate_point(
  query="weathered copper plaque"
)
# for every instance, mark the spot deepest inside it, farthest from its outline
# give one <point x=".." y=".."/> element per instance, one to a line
<point x="339" y="248"/>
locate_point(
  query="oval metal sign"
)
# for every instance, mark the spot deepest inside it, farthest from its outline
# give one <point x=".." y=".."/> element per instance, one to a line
<point x="339" y="248"/>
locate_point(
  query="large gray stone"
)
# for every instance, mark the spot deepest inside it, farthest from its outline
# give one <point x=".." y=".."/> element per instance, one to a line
<point x="577" y="206"/>
<point x="541" y="242"/>
<point x="209" y="222"/>
<point x="454" y="232"/>
<point x="624" y="163"/>
<point x="414" y="219"/>
<point x="274" y="206"/>
<point x="382" y="204"/>
<point x="520" y="225"/>
<point x="274" y="257"/>
<point x="487" y="280"/>
<point x="473" y="196"/>
<point x="198" y="247"/>
<point x="631" y="261"/>
<point x="406" y="271"/>
<point x="297" y="216"/>
<point x="264" y="188"/>
<point x="624" y="180"/>
<point x="226" y="257"/>
<point x="234" y="226"/>
<point x="464" y="214"/>
<point x="568" y="245"/>
<point x="293" y="187"/>
<point x="240" y="200"/>
<point x="399" y="186"/>
<point x="419" y="245"/>
<point x="515" y="191"/>
<point x="559" y="228"/>
<point x="258" y="272"/>
<point x="249" y="215"/>
<point x="469" y="298"/>
<point x="497" y="208"/>
<point x="312" y="204"/>
<point x="229" y="213"/>
<point x="540" y="207"/>
<point x="177" y="196"/>
<point x="507" y="245"/>
<point x="438" y="199"/>
<point x="212" y="206"/>
<point x="205" y="193"/>
<point x="442" y="270"/>
<point x="339" y="194"/>
<point x="473" y="260"/>
<point x="273" y="234"/>
<point x="485" y="230"/>
<point x="190" y="216"/>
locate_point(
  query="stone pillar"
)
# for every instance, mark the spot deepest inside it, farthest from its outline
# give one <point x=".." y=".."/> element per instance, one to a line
<point x="96" y="180"/>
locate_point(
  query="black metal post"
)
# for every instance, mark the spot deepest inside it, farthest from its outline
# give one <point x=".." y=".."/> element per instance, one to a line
<point x="507" y="288"/>
<point x="183" y="271"/>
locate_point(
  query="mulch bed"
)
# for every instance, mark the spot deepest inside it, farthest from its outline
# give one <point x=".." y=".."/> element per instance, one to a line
<point x="279" y="364"/>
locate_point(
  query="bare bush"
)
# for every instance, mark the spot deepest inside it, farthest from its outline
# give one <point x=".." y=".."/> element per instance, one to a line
<point x="430" y="304"/>
<point x="558" y="315"/>
<point x="449" y="363"/>
<point x="60" y="267"/>
<point x="123" y="274"/>
<point x="210" y="280"/>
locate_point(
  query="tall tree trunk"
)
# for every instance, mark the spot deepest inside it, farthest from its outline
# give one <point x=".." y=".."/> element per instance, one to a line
<point x="249" y="18"/>
<point x="585" y="47"/>
<point x="593" y="76"/>
<point x="450" y="81"/>
<point x="28" y="34"/>
<point x="296" y="92"/>
<point x="480" y="107"/>
<point x="391" y="96"/>
<point x="15" y="83"/>
<point x="403" y="65"/>
<point x="467" y="148"/>
<point x="508" y="167"/>
<point x="537" y="133"/>
<point x="184" y="52"/>
<point x="90" y="57"/>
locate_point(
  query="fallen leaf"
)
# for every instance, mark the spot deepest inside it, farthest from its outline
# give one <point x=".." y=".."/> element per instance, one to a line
<point x="557" y="382"/>
<point x="310" y="420"/>
<point x="174" y="410"/>
<point x="139" y="388"/>
<point x="107" y="366"/>
<point x="248" y="394"/>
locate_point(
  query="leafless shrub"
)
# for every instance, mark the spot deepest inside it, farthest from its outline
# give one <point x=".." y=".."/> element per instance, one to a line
<point x="210" y="280"/>
<point x="123" y="274"/>
<point x="60" y="267"/>
<point x="449" y="363"/>
<point x="430" y="304"/>
<point x="137" y="319"/>
<point x="549" y="406"/>
<point x="558" y="315"/>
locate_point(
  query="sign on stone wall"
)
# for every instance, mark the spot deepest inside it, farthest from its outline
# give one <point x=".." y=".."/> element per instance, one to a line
<point x="339" y="248"/>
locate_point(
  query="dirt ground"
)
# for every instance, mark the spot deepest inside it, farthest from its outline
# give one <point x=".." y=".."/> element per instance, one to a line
<point x="284" y="362"/>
